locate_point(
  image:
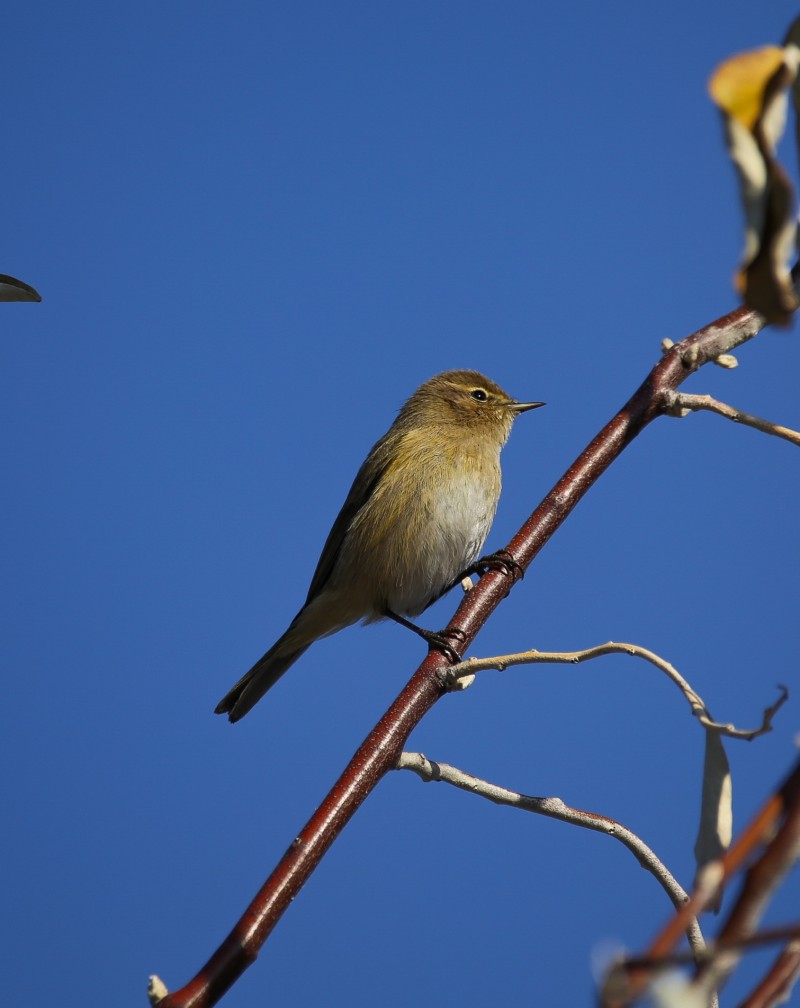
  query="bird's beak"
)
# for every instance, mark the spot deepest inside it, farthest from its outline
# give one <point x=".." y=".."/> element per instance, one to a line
<point x="523" y="407"/>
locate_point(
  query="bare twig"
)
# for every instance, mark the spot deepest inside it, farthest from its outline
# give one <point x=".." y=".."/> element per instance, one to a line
<point x="716" y="815"/>
<point x="555" y="808"/>
<point x="699" y="709"/>
<point x="683" y="402"/>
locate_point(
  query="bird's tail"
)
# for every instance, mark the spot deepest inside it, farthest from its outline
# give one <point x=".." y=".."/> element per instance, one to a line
<point x="261" y="677"/>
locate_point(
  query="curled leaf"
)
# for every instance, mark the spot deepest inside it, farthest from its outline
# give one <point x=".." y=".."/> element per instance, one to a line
<point x="750" y="91"/>
<point x="716" y="809"/>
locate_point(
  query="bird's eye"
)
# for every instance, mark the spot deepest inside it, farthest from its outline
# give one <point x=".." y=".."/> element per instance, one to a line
<point x="479" y="394"/>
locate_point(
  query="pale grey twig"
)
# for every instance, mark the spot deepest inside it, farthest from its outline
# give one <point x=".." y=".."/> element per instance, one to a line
<point x="681" y="403"/>
<point x="699" y="709"/>
<point x="555" y="808"/>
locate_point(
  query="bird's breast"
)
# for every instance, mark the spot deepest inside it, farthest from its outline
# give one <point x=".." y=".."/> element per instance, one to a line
<point x="423" y="526"/>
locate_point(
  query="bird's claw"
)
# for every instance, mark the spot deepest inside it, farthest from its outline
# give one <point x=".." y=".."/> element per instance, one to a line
<point x="501" y="561"/>
<point x="441" y="640"/>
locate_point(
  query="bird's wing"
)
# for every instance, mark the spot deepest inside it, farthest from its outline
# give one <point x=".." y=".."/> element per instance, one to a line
<point x="367" y="478"/>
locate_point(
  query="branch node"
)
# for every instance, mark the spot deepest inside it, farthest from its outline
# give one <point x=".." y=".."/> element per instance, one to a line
<point x="447" y="677"/>
<point x="673" y="406"/>
<point x="456" y="677"/>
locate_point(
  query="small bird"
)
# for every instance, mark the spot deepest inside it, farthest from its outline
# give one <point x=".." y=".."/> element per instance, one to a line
<point x="414" y="521"/>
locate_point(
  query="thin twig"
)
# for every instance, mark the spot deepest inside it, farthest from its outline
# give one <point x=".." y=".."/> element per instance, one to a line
<point x="699" y="709"/>
<point x="683" y="402"/>
<point x="555" y="808"/>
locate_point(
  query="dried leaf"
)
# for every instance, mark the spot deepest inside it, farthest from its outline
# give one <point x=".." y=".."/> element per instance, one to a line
<point x="716" y="808"/>
<point x="750" y="90"/>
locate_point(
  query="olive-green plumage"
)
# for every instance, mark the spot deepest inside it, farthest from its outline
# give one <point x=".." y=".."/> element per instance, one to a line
<point x="417" y="515"/>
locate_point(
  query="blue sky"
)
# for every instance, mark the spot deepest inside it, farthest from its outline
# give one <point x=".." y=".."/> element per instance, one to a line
<point x="256" y="229"/>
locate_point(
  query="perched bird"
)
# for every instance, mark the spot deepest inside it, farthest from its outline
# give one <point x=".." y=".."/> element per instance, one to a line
<point x="416" y="517"/>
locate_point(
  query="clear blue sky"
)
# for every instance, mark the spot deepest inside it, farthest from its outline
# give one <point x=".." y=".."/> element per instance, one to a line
<point x="256" y="228"/>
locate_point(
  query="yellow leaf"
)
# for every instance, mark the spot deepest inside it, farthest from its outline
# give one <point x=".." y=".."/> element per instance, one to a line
<point x="738" y="84"/>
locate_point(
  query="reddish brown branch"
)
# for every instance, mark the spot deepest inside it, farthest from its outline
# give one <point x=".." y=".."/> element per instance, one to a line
<point x="760" y="883"/>
<point x="774" y="830"/>
<point x="788" y="933"/>
<point x="776" y="986"/>
<point x="381" y="749"/>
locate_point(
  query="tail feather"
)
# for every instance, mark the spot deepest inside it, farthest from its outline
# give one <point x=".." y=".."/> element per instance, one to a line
<point x="255" y="683"/>
<point x="322" y="615"/>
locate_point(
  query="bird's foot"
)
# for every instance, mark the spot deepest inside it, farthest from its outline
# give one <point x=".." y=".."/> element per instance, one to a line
<point x="501" y="561"/>
<point x="504" y="562"/>
<point x="441" y="639"/>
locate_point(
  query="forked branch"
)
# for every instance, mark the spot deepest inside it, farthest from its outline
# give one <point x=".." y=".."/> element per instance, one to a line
<point x="770" y="844"/>
<point x="684" y="402"/>
<point x="699" y="709"/>
<point x="381" y="750"/>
